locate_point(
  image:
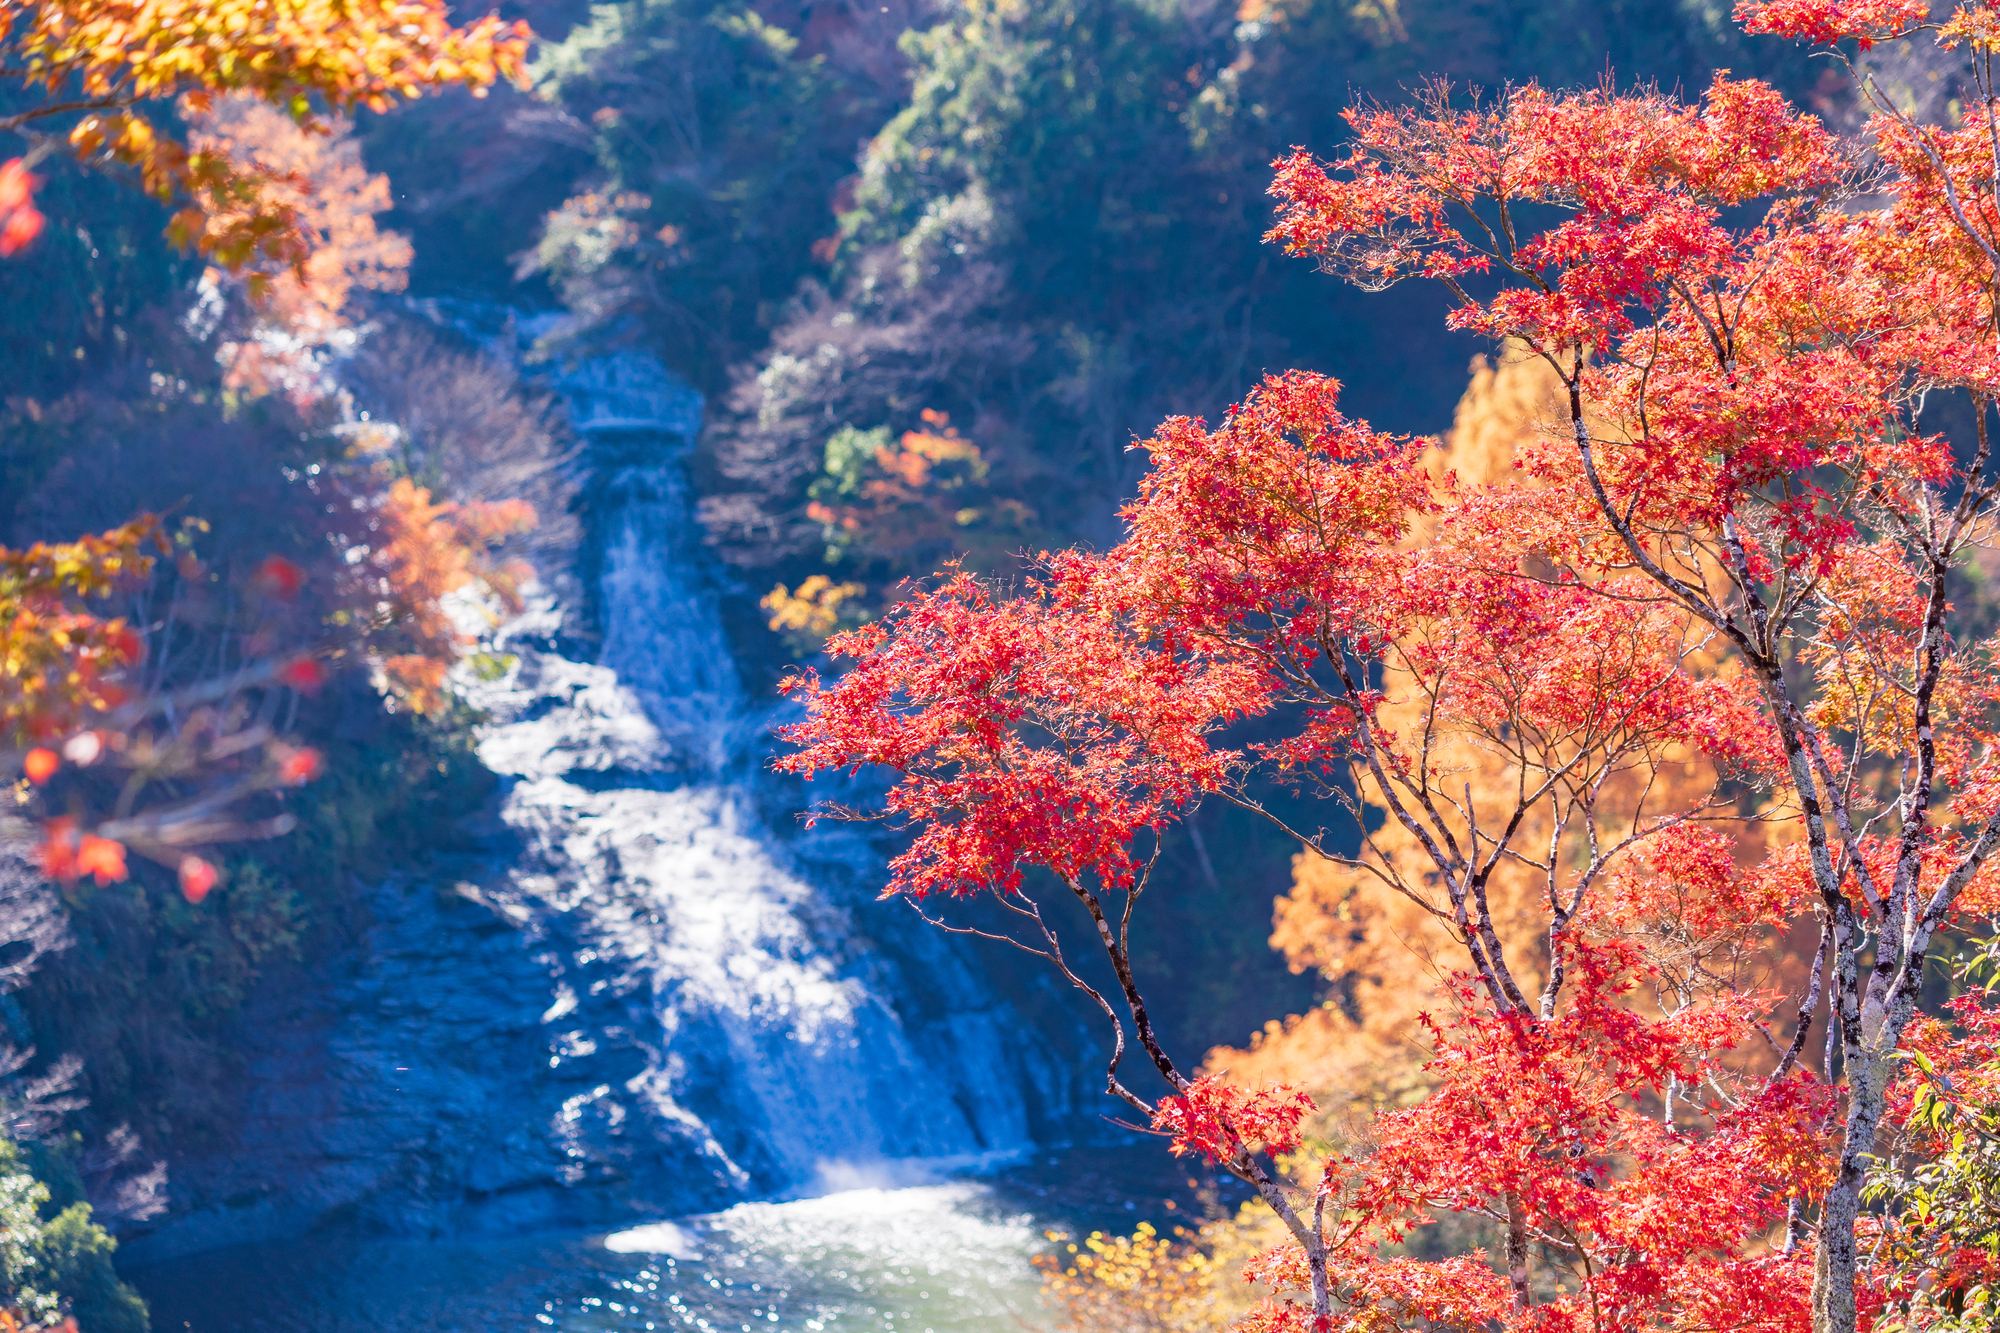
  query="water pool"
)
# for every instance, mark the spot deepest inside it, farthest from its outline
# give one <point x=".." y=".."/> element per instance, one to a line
<point x="945" y="1256"/>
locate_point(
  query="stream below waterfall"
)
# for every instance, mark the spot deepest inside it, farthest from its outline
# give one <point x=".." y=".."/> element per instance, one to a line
<point x="946" y="1258"/>
<point x="943" y="1256"/>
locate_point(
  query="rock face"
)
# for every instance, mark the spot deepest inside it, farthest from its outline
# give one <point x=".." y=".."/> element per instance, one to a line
<point x="636" y="1001"/>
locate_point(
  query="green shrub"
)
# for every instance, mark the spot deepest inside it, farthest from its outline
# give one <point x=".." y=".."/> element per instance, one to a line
<point x="52" y="1266"/>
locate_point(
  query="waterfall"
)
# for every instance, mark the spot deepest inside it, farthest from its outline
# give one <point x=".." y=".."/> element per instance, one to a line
<point x="645" y="991"/>
<point x="635" y="795"/>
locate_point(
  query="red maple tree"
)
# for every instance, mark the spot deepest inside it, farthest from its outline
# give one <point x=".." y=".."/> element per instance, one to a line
<point x="1740" y="555"/>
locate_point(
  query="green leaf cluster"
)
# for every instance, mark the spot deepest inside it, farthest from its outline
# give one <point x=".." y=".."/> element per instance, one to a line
<point x="56" y="1261"/>
<point x="1939" y="1191"/>
<point x="717" y="144"/>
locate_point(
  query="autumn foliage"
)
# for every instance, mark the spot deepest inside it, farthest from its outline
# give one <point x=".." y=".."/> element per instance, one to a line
<point x="98" y="66"/>
<point x="186" y="759"/>
<point x="301" y="308"/>
<point x="425" y="550"/>
<point x="20" y="220"/>
<point x="274" y="193"/>
<point x="74" y="698"/>
<point x="913" y="500"/>
<point x="1695" y="670"/>
<point x="60" y="663"/>
<point x="1147" y="1282"/>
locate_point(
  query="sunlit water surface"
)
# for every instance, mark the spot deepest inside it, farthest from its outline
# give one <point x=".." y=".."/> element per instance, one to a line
<point x="945" y="1258"/>
<point x="952" y="1256"/>
<point x="933" y="1259"/>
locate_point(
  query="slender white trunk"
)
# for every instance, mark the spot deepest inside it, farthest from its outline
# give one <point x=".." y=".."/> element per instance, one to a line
<point x="1868" y="1052"/>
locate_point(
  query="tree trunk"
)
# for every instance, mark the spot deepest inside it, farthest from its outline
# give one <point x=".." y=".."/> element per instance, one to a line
<point x="1517" y="1251"/>
<point x="1322" y="1287"/>
<point x="1837" y="1260"/>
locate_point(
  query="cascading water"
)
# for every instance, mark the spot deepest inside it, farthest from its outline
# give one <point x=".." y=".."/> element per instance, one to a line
<point x="636" y="1000"/>
<point x="783" y="1049"/>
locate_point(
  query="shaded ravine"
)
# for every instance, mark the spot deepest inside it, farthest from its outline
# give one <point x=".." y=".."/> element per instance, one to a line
<point x="636" y="1000"/>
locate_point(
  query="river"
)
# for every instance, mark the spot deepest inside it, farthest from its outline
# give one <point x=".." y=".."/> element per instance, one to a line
<point x="941" y="1258"/>
<point x="944" y="1255"/>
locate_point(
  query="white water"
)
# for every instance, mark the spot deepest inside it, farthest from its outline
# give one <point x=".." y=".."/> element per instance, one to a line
<point x="636" y="797"/>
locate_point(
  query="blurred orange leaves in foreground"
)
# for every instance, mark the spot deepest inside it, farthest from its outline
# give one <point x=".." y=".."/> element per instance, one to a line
<point x="99" y="62"/>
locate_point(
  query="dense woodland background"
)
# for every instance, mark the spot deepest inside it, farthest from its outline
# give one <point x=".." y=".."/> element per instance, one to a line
<point x="933" y="265"/>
